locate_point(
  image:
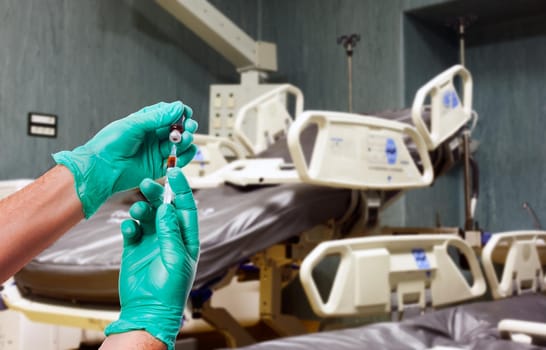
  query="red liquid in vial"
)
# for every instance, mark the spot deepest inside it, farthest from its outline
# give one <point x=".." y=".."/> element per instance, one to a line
<point x="171" y="162"/>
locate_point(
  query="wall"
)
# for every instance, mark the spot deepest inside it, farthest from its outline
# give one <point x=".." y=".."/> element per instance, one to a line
<point x="306" y="32"/>
<point x="508" y="63"/>
<point x="428" y="50"/>
<point x="505" y="53"/>
<point x="93" y="61"/>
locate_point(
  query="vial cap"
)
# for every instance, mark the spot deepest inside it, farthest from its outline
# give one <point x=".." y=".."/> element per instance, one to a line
<point x="175" y="136"/>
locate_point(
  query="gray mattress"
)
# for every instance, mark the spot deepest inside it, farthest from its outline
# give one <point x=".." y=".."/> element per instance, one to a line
<point x="471" y="326"/>
<point x="234" y="224"/>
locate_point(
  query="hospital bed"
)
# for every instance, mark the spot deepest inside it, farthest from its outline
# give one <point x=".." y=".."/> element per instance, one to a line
<point x="254" y="127"/>
<point x="397" y="274"/>
<point x="342" y="174"/>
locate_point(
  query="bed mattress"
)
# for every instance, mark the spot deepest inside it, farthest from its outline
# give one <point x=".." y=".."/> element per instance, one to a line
<point x="471" y="326"/>
<point x="234" y="224"/>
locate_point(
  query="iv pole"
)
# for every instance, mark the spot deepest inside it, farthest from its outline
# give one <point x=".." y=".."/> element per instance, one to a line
<point x="470" y="168"/>
<point x="349" y="42"/>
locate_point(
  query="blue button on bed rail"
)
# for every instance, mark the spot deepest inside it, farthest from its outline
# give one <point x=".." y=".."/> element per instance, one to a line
<point x="421" y="259"/>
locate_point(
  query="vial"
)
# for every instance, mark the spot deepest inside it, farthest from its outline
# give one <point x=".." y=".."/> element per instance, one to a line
<point x="176" y="130"/>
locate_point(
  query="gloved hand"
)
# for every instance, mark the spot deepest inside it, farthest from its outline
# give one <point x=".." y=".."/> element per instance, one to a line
<point x="159" y="261"/>
<point x="126" y="151"/>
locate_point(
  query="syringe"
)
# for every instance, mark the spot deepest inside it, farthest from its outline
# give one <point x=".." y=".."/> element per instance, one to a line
<point x="175" y="136"/>
<point x="171" y="163"/>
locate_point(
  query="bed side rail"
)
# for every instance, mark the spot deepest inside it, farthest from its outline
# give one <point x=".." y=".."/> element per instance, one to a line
<point x="519" y="252"/>
<point x="97" y="317"/>
<point x="213" y="153"/>
<point x="261" y="120"/>
<point x="523" y="331"/>
<point x="391" y="274"/>
<point x="248" y="172"/>
<point x="60" y="314"/>
<point x="448" y="112"/>
<point x="360" y="152"/>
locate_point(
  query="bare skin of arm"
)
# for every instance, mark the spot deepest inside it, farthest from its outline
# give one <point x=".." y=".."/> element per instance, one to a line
<point x="134" y="340"/>
<point x="35" y="217"/>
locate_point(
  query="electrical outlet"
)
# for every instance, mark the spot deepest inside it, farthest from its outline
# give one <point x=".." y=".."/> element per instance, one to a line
<point x="42" y="125"/>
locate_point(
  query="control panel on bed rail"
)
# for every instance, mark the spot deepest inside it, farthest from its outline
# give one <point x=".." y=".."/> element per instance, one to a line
<point x="360" y="152"/>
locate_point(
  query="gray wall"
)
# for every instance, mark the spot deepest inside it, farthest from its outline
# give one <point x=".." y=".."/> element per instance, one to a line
<point x="94" y="61"/>
<point x="508" y="62"/>
<point x="309" y="57"/>
<point x="428" y="51"/>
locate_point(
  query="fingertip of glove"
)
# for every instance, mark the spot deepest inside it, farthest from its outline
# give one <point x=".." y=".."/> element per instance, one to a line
<point x="176" y="176"/>
<point x="163" y="210"/>
<point x="172" y="173"/>
<point x="187" y="139"/>
<point x="140" y="210"/>
<point x="146" y="184"/>
<point x="126" y="224"/>
<point x="128" y="228"/>
<point x="191" y="125"/>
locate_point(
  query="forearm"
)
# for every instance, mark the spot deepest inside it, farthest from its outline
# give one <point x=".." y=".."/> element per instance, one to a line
<point x="134" y="340"/>
<point x="33" y="218"/>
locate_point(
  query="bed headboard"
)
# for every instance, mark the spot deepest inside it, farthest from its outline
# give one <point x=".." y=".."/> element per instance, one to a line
<point x="213" y="153"/>
<point x="448" y="111"/>
<point x="259" y="121"/>
<point x="390" y="273"/>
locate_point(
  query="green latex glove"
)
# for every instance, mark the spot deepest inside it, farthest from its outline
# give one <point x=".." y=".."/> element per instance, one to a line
<point x="126" y="151"/>
<point x="159" y="260"/>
